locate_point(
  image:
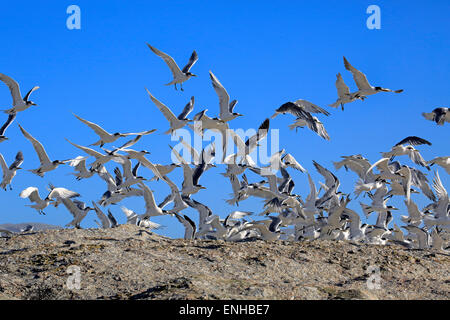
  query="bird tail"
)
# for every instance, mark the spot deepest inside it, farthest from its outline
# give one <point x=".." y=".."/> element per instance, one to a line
<point x="335" y="105"/>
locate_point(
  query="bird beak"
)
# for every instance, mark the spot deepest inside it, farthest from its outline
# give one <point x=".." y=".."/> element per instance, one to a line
<point x="194" y="75"/>
<point x="34" y="104"/>
<point x="274" y="115"/>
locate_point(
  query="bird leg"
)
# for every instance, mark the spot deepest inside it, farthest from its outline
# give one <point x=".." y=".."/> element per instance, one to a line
<point x="175" y="86"/>
<point x="181" y="86"/>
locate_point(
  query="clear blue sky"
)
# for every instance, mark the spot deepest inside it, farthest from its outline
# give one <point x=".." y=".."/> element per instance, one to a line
<point x="264" y="52"/>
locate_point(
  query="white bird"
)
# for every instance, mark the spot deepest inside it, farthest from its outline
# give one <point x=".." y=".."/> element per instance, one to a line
<point x="100" y="159"/>
<point x="78" y="209"/>
<point x="19" y="103"/>
<point x="313" y="124"/>
<point x="438" y="115"/>
<point x="226" y="107"/>
<point x="10" y="172"/>
<point x="344" y="95"/>
<point x="104" y="219"/>
<point x="300" y="109"/>
<point x="357" y="230"/>
<point x="364" y="87"/>
<point x="46" y="164"/>
<point x="8" y="122"/>
<point x="414" y="154"/>
<point x="32" y="193"/>
<point x="151" y="209"/>
<point x="106" y="137"/>
<point x="443" y="162"/>
<point x="79" y="163"/>
<point x="420" y="234"/>
<point x="415" y="216"/>
<point x="189" y="226"/>
<point x="175" y="123"/>
<point x="179" y="76"/>
<point x="437" y="242"/>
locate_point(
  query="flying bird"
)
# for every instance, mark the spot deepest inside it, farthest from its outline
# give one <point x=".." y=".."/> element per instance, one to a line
<point x="226" y="107"/>
<point x="300" y="109"/>
<point x="46" y="164"/>
<point x="344" y="95"/>
<point x="19" y="103"/>
<point x="438" y="115"/>
<point x="106" y="137"/>
<point x="364" y="87"/>
<point x="10" y="172"/>
<point x="179" y="76"/>
<point x="8" y="122"/>
<point x="175" y="122"/>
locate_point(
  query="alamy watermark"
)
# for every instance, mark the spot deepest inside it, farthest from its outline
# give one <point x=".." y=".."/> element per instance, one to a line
<point x="74" y="20"/>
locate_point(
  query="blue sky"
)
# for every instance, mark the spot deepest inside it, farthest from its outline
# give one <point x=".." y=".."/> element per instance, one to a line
<point x="264" y="52"/>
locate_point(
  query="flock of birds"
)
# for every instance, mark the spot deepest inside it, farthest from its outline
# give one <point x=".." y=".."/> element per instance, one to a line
<point x="323" y="214"/>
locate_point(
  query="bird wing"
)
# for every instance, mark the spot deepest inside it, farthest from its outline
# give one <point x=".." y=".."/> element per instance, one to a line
<point x="43" y="157"/>
<point x="187" y="109"/>
<point x="168" y="114"/>
<point x="27" y="96"/>
<point x="359" y="77"/>
<point x="97" y="129"/>
<point x="62" y="193"/>
<point x="414" y="141"/>
<point x="341" y="87"/>
<point x="142" y="133"/>
<point x="168" y="60"/>
<point x="310" y="107"/>
<point x="32" y="193"/>
<point x="4" y="165"/>
<point x="89" y="151"/>
<point x="103" y="218"/>
<point x="330" y="178"/>
<point x="13" y="88"/>
<point x="10" y="119"/>
<point x="224" y="98"/>
<point x="194" y="154"/>
<point x="439" y="187"/>
<point x="192" y="60"/>
<point x="263" y="129"/>
<point x="150" y="203"/>
<point x="18" y="161"/>
<point x="290" y="161"/>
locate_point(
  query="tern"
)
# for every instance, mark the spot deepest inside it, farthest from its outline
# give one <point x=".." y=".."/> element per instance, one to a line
<point x="415" y="156"/>
<point x="32" y="193"/>
<point x="79" y="163"/>
<point x="365" y="89"/>
<point x="313" y="124"/>
<point x="422" y="236"/>
<point x="226" y="107"/>
<point x="19" y="103"/>
<point x="106" y="221"/>
<point x="46" y="164"/>
<point x="344" y="95"/>
<point x="175" y="123"/>
<point x="438" y="115"/>
<point x="300" y="109"/>
<point x="443" y="162"/>
<point x="59" y="193"/>
<point x="189" y="226"/>
<point x="106" y="137"/>
<point x="10" y="172"/>
<point x="151" y="209"/>
<point x="179" y="76"/>
<point x="8" y="122"/>
<point x="78" y="209"/>
<point x="100" y="159"/>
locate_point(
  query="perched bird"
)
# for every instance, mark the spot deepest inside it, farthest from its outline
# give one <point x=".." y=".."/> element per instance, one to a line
<point x="46" y="164"/>
<point x="106" y="137"/>
<point x="10" y="172"/>
<point x="344" y="95"/>
<point x="226" y="107"/>
<point x="438" y="115"/>
<point x="19" y="103"/>
<point x="179" y="76"/>
<point x="8" y="122"/>
<point x="364" y="87"/>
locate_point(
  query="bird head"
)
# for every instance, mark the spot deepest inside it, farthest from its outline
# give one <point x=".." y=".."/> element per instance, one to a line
<point x="31" y="103"/>
<point x="58" y="162"/>
<point x="190" y="74"/>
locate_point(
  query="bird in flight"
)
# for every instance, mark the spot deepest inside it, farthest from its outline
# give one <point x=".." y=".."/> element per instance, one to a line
<point x="19" y="103"/>
<point x="179" y="75"/>
<point x="364" y="87"/>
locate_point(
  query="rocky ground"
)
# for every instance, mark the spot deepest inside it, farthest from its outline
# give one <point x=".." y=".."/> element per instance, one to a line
<point x="130" y="263"/>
